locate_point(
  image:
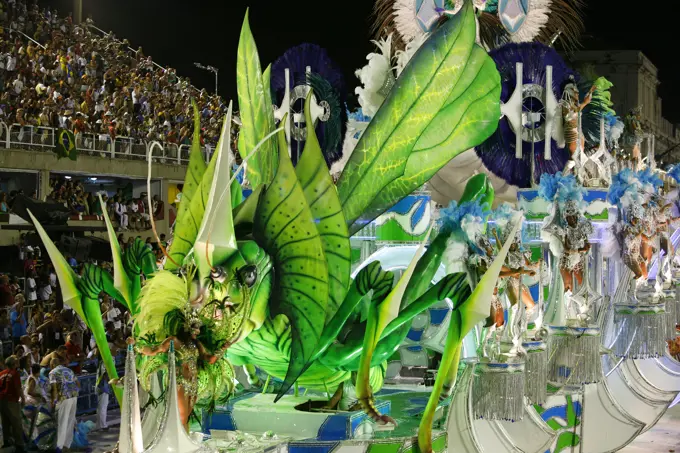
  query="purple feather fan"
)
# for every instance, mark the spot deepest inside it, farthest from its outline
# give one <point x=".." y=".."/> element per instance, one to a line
<point x="498" y="151"/>
<point x="329" y="85"/>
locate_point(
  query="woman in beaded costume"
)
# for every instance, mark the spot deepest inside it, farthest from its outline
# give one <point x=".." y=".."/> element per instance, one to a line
<point x="664" y="219"/>
<point x="566" y="229"/>
<point x="201" y="335"/>
<point x="518" y="261"/>
<point x="574" y="235"/>
<point x="571" y="108"/>
<point x="631" y="248"/>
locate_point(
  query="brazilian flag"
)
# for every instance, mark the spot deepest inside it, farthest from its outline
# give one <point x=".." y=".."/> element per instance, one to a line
<point x="65" y="145"/>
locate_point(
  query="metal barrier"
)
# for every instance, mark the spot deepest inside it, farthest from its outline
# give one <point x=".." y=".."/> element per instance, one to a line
<point x="40" y="138"/>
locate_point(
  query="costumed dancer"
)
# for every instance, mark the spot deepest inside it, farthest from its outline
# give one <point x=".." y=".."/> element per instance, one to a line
<point x="168" y="314"/>
<point x="567" y="230"/>
<point x="633" y="135"/>
<point x="664" y="220"/>
<point x="517" y="264"/>
<point x="469" y="250"/>
<point x="571" y="107"/>
<point x="630" y="191"/>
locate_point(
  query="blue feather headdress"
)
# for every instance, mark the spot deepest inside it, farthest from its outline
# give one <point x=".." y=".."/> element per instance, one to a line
<point x="650" y="179"/>
<point x="630" y="188"/>
<point x="454" y="216"/>
<point x="562" y="189"/>
<point x="674" y="172"/>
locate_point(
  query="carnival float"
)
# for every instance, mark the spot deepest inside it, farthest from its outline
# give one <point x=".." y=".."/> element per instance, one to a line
<point x="480" y="259"/>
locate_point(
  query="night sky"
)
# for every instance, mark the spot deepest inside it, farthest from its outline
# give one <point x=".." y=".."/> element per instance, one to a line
<point x="179" y="32"/>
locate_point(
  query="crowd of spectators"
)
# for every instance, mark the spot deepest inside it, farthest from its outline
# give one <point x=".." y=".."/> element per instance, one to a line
<point x="128" y="211"/>
<point x="70" y="76"/>
<point x="46" y="346"/>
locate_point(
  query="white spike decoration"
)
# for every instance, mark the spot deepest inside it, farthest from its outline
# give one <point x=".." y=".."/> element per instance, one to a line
<point x="130" y="439"/>
<point x="513" y="110"/>
<point x="218" y="243"/>
<point x="153" y="415"/>
<point x="172" y="437"/>
<point x="553" y="124"/>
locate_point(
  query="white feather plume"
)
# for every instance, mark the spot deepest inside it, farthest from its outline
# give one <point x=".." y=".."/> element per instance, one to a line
<point x="404" y="56"/>
<point x="405" y="20"/>
<point x="455" y="254"/>
<point x="537" y="17"/>
<point x="373" y="75"/>
<point x="354" y="131"/>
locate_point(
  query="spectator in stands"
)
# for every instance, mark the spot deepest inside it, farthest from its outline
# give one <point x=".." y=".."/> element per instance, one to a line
<point x="114" y="336"/>
<point x="11" y="401"/>
<point x="64" y="396"/>
<point x="60" y="353"/>
<point x="34" y="355"/>
<point x="3" y="202"/>
<point x="6" y="295"/>
<point x="32" y="286"/>
<point x="121" y="213"/>
<point x="14" y="285"/>
<point x="104" y="392"/>
<point x="25" y="345"/>
<point x="18" y="319"/>
<point x="52" y="276"/>
<point x="51" y="331"/>
<point x="45" y="290"/>
<point x="75" y="352"/>
<point x="5" y="326"/>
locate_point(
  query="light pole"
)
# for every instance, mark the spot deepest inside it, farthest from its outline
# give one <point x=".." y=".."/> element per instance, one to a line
<point x="212" y="69"/>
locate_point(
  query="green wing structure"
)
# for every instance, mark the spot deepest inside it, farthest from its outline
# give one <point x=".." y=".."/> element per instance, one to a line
<point x="446" y="101"/>
<point x="284" y="226"/>
<point x="257" y="114"/>
<point x="464" y="317"/>
<point x="322" y="198"/>
<point x="82" y="295"/>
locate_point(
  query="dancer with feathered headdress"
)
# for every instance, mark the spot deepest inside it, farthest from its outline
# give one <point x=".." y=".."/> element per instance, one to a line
<point x="630" y="194"/>
<point x="567" y="230"/>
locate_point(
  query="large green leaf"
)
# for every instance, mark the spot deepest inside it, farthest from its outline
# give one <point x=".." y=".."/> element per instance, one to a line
<point x="257" y="115"/>
<point x="464" y="317"/>
<point x="284" y="227"/>
<point x="195" y="170"/>
<point x="120" y="277"/>
<point x="322" y="198"/>
<point x="446" y="101"/>
<point x="68" y="280"/>
<point x="186" y="231"/>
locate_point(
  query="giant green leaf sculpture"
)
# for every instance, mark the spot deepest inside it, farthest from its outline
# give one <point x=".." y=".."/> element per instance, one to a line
<point x="257" y="114"/>
<point x="322" y="197"/>
<point x="446" y="101"/>
<point x="285" y="228"/>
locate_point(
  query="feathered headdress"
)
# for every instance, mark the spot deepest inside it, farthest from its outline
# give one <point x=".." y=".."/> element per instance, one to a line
<point x="468" y="217"/>
<point x="674" y="172"/>
<point x="465" y="223"/>
<point x="543" y="20"/>
<point x="377" y="77"/>
<point x="565" y="191"/>
<point x="503" y="217"/>
<point x="631" y="190"/>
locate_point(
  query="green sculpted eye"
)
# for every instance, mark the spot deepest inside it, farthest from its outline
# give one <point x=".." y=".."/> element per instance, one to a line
<point x="248" y="275"/>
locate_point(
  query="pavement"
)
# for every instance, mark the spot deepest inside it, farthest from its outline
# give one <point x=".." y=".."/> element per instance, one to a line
<point x="101" y="441"/>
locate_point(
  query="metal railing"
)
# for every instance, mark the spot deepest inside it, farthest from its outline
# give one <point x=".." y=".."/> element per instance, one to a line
<point x="41" y="138"/>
